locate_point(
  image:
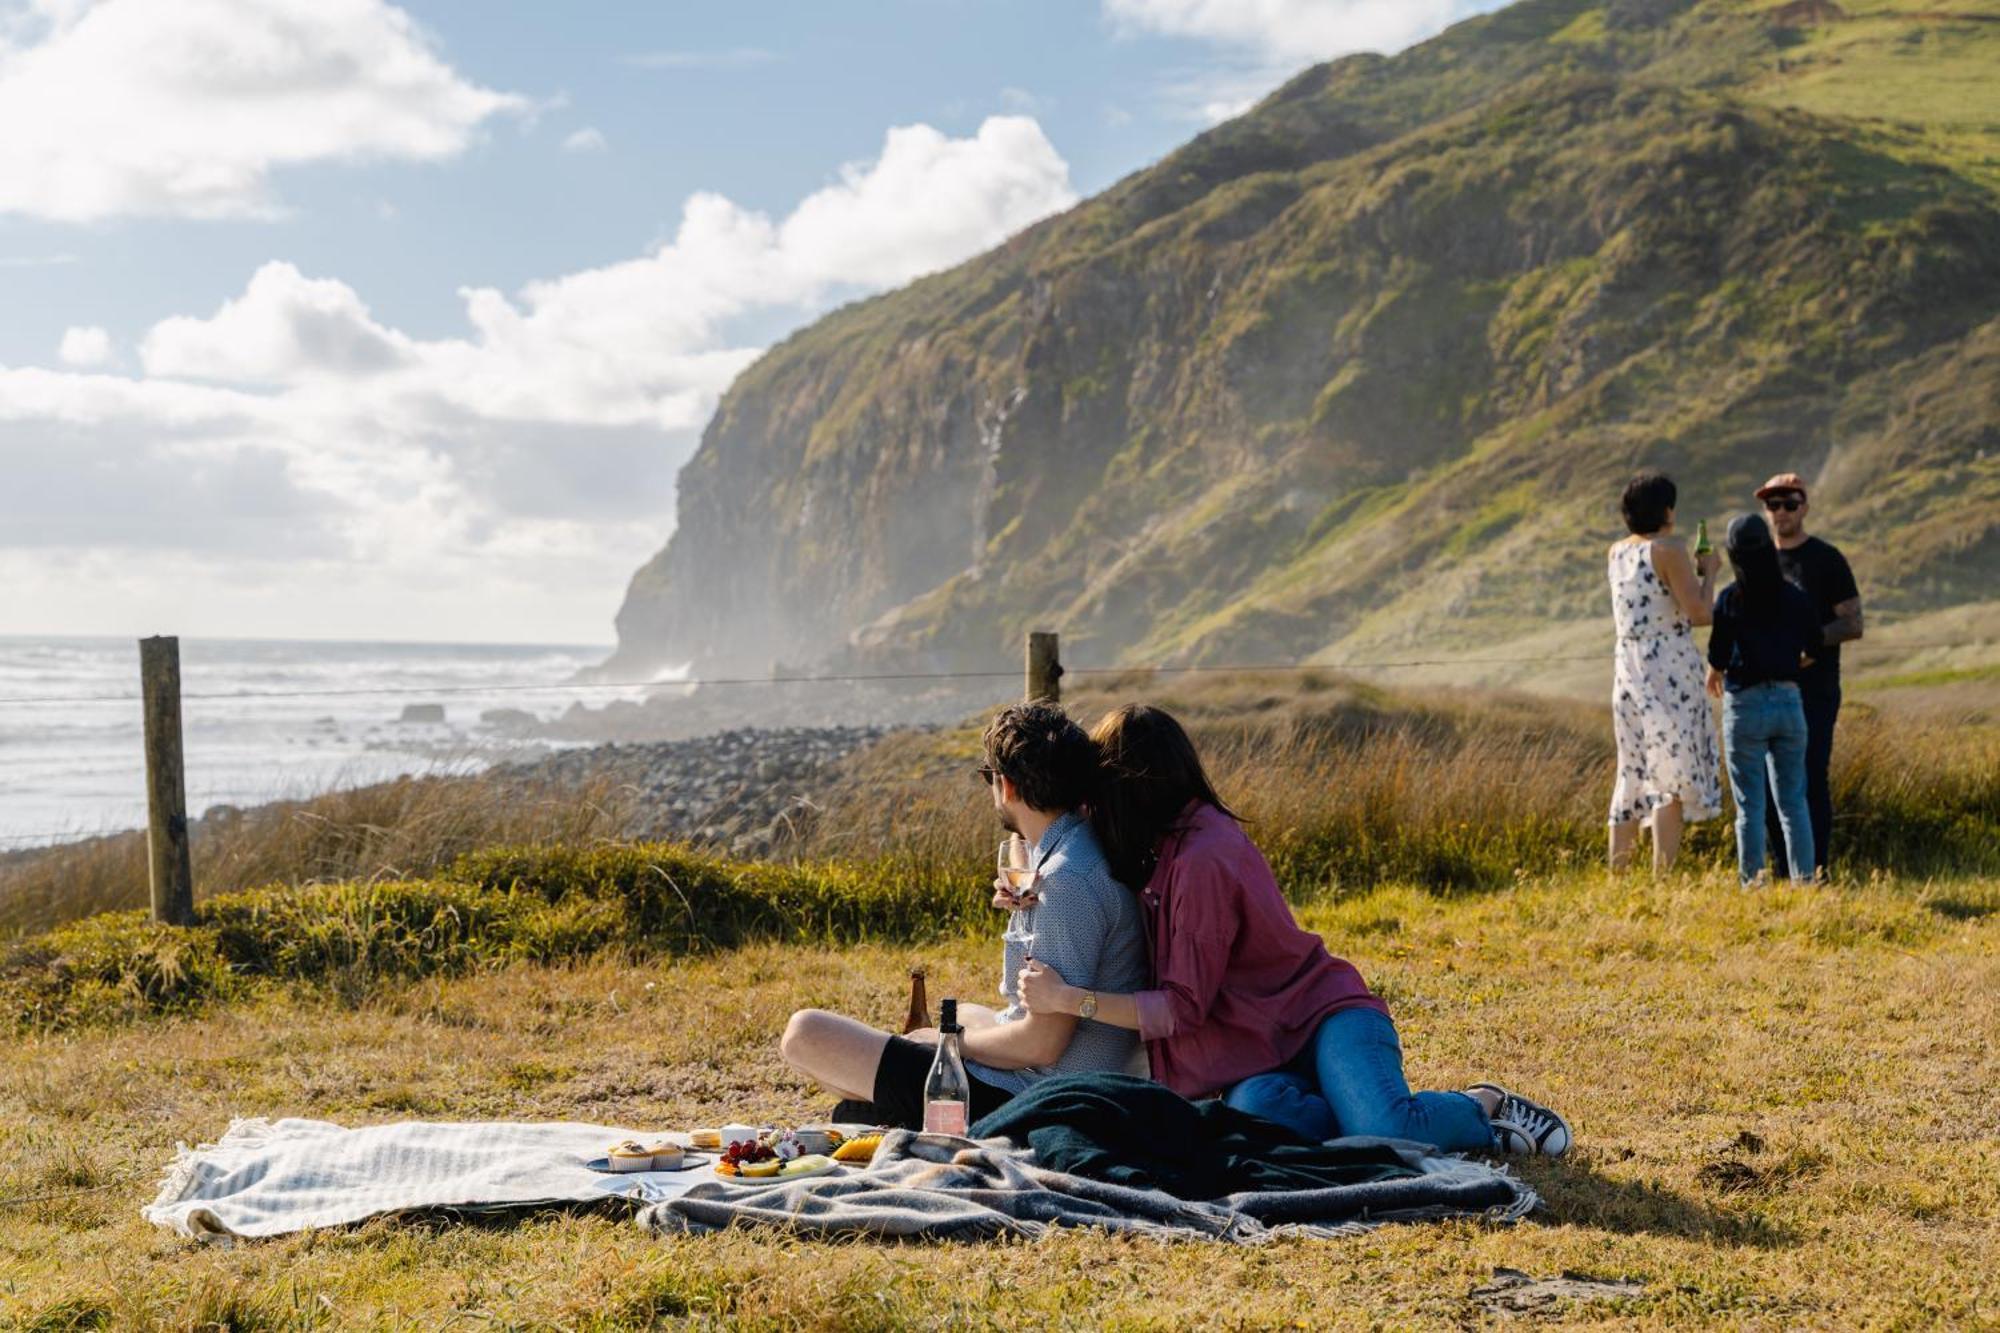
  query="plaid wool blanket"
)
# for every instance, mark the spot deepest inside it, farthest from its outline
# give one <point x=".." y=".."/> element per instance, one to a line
<point x="937" y="1186"/>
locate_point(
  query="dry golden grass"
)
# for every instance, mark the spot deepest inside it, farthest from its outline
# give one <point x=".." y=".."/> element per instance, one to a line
<point x="390" y="830"/>
<point x="1345" y="784"/>
<point x="1784" y="1103"/>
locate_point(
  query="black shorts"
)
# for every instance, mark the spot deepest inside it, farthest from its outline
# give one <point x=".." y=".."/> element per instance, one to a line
<point x="899" y="1090"/>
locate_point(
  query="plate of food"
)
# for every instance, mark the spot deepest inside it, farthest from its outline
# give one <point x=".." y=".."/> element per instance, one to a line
<point x="631" y="1157"/>
<point x="771" y="1169"/>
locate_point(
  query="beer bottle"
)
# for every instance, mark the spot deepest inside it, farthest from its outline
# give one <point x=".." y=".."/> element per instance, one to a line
<point x="920" y="1009"/>
<point x="1701" y="544"/>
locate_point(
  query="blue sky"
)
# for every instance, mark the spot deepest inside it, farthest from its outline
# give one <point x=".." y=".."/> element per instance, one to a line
<point x="342" y="319"/>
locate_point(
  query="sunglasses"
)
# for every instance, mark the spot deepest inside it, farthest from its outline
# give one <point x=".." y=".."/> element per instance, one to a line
<point x="1791" y="504"/>
<point x="986" y="774"/>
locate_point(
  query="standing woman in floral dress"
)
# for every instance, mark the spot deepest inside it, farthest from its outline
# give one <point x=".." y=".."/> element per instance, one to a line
<point x="1668" y="769"/>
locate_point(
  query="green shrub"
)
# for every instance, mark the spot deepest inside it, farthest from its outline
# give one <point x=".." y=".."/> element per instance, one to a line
<point x="543" y="905"/>
<point x="110" y="967"/>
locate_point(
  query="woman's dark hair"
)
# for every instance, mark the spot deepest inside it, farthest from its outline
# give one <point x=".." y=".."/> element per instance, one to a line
<point x="1754" y="558"/>
<point x="1646" y="501"/>
<point x="1051" y="763"/>
<point x="1151" y="772"/>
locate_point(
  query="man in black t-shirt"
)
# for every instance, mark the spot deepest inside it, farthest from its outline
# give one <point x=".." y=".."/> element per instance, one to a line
<point x="1822" y="571"/>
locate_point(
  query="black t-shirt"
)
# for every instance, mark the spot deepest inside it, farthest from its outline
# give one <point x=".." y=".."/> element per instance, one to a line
<point x="1820" y="569"/>
<point x="1752" y="649"/>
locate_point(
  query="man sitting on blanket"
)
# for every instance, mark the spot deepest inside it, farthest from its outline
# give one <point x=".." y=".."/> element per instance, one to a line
<point x="1040" y="768"/>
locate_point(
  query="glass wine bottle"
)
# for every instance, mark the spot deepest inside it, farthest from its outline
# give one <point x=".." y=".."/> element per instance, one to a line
<point x="947" y="1091"/>
<point x="1701" y="544"/>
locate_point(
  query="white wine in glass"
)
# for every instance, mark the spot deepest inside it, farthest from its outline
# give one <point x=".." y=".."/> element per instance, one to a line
<point x="1019" y="877"/>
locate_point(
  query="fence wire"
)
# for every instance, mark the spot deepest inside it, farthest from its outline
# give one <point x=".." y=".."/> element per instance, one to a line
<point x="709" y="682"/>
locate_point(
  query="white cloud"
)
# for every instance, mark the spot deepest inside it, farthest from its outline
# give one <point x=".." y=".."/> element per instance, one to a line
<point x="498" y="484"/>
<point x="1264" y="42"/>
<point x="1294" y="31"/>
<point x="589" y="139"/>
<point x="85" y="345"/>
<point x="184" y="108"/>
<point x="285" y="328"/>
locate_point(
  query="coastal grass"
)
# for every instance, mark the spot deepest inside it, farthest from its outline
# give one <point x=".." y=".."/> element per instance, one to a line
<point x="1783" y="1103"/>
<point x="1345" y="785"/>
<point x="487" y="910"/>
<point x="389" y="830"/>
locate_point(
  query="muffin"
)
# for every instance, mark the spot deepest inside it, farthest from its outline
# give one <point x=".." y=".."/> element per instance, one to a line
<point x="629" y="1156"/>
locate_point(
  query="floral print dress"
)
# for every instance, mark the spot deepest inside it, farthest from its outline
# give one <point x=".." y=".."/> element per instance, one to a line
<point x="1666" y="734"/>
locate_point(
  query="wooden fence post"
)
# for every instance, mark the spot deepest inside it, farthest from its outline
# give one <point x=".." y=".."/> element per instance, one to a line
<point x="1044" y="667"/>
<point x="166" y="782"/>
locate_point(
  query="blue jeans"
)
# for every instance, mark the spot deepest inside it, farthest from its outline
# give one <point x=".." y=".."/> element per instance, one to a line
<point x="1764" y="735"/>
<point x="1349" y="1080"/>
<point x="1822" y="704"/>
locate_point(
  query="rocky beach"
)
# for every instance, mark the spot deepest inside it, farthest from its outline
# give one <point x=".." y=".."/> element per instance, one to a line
<point x="747" y="790"/>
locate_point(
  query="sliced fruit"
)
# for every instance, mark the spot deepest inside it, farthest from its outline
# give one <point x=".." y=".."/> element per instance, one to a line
<point x="860" y="1148"/>
<point x="761" y="1170"/>
<point x="805" y="1166"/>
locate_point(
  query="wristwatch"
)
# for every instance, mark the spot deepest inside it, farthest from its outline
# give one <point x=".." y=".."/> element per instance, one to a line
<point x="1087" y="1006"/>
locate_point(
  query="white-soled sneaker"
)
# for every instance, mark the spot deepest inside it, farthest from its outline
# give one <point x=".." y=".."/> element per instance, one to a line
<point x="1526" y="1128"/>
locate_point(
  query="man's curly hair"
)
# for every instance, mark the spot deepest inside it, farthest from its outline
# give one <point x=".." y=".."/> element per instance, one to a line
<point x="1049" y="759"/>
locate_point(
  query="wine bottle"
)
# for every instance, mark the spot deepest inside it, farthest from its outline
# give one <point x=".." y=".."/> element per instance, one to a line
<point x="920" y="1007"/>
<point x="947" y="1090"/>
<point x="1701" y="543"/>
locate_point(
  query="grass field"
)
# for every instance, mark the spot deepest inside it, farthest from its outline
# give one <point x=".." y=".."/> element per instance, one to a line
<point x="1785" y="1100"/>
<point x="1785" y="1106"/>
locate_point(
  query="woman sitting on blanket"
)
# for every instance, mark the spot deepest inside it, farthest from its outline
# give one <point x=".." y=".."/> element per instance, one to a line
<point x="1246" y="1005"/>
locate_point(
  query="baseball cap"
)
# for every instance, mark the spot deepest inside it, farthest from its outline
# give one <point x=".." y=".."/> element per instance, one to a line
<point x="1784" y="481"/>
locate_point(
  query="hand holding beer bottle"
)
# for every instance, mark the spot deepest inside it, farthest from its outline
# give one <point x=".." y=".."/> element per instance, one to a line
<point x="1706" y="561"/>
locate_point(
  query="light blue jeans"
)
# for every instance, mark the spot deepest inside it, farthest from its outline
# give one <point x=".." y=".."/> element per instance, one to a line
<point x="1349" y="1080"/>
<point x="1764" y="731"/>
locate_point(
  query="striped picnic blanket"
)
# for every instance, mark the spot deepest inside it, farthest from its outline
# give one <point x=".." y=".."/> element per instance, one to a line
<point x="272" y="1177"/>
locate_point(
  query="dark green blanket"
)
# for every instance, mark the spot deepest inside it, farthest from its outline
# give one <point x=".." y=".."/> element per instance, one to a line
<point x="1132" y="1131"/>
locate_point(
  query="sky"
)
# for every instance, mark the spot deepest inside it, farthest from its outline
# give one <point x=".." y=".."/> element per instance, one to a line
<point x="344" y="319"/>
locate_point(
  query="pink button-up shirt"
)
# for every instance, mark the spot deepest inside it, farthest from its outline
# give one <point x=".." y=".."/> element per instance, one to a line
<point x="1241" y="988"/>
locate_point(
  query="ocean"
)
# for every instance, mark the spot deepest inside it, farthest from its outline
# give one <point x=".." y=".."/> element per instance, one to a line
<point x="292" y="719"/>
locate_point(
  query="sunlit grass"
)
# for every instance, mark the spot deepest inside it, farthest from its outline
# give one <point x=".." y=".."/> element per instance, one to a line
<point x="1782" y="1103"/>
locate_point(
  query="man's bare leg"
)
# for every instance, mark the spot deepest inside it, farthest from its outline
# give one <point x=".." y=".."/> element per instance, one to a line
<point x="839" y="1053"/>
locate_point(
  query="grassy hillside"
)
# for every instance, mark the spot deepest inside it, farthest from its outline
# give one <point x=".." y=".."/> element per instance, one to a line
<point x="1364" y="368"/>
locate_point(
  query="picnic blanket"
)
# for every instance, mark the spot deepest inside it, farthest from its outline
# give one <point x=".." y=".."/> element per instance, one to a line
<point x="270" y="1178"/>
<point x="937" y="1186"/>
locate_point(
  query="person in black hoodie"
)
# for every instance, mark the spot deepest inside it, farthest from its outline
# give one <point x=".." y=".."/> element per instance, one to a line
<point x="1764" y="637"/>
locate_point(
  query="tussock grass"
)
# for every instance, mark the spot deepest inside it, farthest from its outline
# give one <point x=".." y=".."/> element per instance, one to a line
<point x="1346" y="785"/>
<point x="392" y="830"/>
<point x="487" y="910"/>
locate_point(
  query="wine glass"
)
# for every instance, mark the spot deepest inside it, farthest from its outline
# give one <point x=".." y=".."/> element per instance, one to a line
<point x="1012" y="861"/>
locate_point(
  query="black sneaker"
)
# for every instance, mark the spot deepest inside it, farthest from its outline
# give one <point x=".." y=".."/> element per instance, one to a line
<point x="1526" y="1128"/>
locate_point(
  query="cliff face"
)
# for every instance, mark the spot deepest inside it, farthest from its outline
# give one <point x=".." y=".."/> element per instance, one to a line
<point x="1367" y="366"/>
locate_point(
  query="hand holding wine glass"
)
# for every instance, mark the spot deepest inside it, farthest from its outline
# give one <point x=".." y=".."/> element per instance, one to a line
<point x="1015" y="889"/>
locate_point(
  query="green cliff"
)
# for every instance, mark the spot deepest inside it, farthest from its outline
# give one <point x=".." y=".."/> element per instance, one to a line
<point x="1364" y="368"/>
